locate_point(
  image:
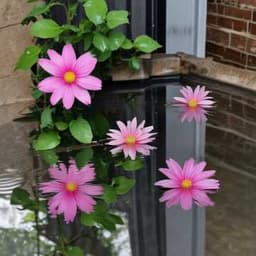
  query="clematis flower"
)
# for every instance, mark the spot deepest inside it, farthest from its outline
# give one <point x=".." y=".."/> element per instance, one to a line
<point x="131" y="138"/>
<point x="70" y="77"/>
<point x="194" y="104"/>
<point x="72" y="189"/>
<point x="187" y="184"/>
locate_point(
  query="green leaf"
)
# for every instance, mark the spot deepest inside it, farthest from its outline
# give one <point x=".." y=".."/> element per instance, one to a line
<point x="101" y="167"/>
<point x="134" y="63"/>
<point x="47" y="140"/>
<point x="102" y="56"/>
<point x="109" y="195"/>
<point x="61" y="126"/>
<point x="88" y="41"/>
<point x="83" y="157"/>
<point x="117" y="18"/>
<point x="39" y="9"/>
<point x="81" y="130"/>
<point x="46" y="28"/>
<point x="85" y="26"/>
<point x="127" y="44"/>
<point x="146" y="44"/>
<point x="116" y="219"/>
<point x="123" y="184"/>
<point x="49" y="156"/>
<point x="20" y="197"/>
<point x="101" y="42"/>
<point x="96" y="11"/>
<point x="132" y="165"/>
<point x="100" y="125"/>
<point x="116" y="39"/>
<point x="36" y="94"/>
<point x="46" y="118"/>
<point x="74" y="251"/>
<point x="28" y="58"/>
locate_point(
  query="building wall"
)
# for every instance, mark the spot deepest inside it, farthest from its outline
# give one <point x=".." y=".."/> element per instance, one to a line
<point x="231" y="32"/>
<point x="14" y="38"/>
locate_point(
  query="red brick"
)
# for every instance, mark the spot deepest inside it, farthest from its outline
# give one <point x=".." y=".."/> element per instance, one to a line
<point x="215" y="49"/>
<point x="238" y="12"/>
<point x="251" y="61"/>
<point x="252" y="28"/>
<point x="218" y="36"/>
<point x="238" y="41"/>
<point x="254" y="16"/>
<point x="235" y="56"/>
<point x="220" y="9"/>
<point x="225" y="22"/>
<point x="251" y="46"/>
<point x="211" y="19"/>
<point x="212" y="7"/>
<point x="230" y="23"/>
<point x="249" y="2"/>
<point x="240" y="25"/>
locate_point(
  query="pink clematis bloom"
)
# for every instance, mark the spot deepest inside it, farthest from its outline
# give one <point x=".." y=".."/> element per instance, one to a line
<point x="72" y="190"/>
<point x="70" y="77"/>
<point x="187" y="184"/>
<point x="194" y="104"/>
<point x="131" y="138"/>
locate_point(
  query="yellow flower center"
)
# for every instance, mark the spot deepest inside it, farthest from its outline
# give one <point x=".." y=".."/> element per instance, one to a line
<point x="71" y="186"/>
<point x="69" y="77"/>
<point x="192" y="103"/>
<point x="186" y="184"/>
<point x="130" y="140"/>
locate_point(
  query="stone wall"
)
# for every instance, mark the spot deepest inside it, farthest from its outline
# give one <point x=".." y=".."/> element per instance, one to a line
<point x="14" y="86"/>
<point x="231" y="32"/>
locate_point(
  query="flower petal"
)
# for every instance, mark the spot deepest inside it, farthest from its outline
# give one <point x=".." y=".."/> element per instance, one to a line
<point x="85" y="202"/>
<point x="50" y="67"/>
<point x="85" y="64"/>
<point x="69" y="56"/>
<point x="90" y="83"/>
<point x="50" y="84"/>
<point x="68" y="98"/>
<point x="82" y="95"/>
<point x="55" y="57"/>
<point x="186" y="200"/>
<point x="93" y="190"/>
<point x="57" y="95"/>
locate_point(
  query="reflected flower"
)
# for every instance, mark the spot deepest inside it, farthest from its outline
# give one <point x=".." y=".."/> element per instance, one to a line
<point x="70" y="77"/>
<point x="72" y="188"/>
<point x="187" y="184"/>
<point x="194" y="105"/>
<point x="131" y="138"/>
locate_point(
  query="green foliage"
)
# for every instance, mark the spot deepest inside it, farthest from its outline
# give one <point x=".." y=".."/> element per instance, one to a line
<point x="74" y="251"/>
<point x="101" y="42"/>
<point x="123" y="185"/>
<point x="49" y="156"/>
<point x="83" y="157"/>
<point x="96" y="11"/>
<point x="81" y="130"/>
<point x="146" y="44"/>
<point x="134" y="63"/>
<point x="46" y="118"/>
<point x="61" y="126"/>
<point x="47" y="140"/>
<point x="28" y="58"/>
<point x="110" y="195"/>
<point x="102" y="217"/>
<point x="131" y="165"/>
<point x="116" y="40"/>
<point x="46" y="28"/>
<point x="117" y="18"/>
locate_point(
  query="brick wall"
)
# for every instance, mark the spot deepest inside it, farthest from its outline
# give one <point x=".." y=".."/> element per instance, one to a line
<point x="231" y="32"/>
<point x="14" y="86"/>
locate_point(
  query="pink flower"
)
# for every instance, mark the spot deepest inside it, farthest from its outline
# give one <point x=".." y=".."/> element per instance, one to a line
<point x="72" y="190"/>
<point x="70" y="77"/>
<point x="187" y="184"/>
<point x="194" y="104"/>
<point x="131" y="139"/>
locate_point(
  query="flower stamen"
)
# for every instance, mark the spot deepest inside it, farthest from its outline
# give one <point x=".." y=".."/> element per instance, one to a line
<point x="69" y="77"/>
<point x="130" y="140"/>
<point x="192" y="103"/>
<point x="186" y="184"/>
<point x="71" y="186"/>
